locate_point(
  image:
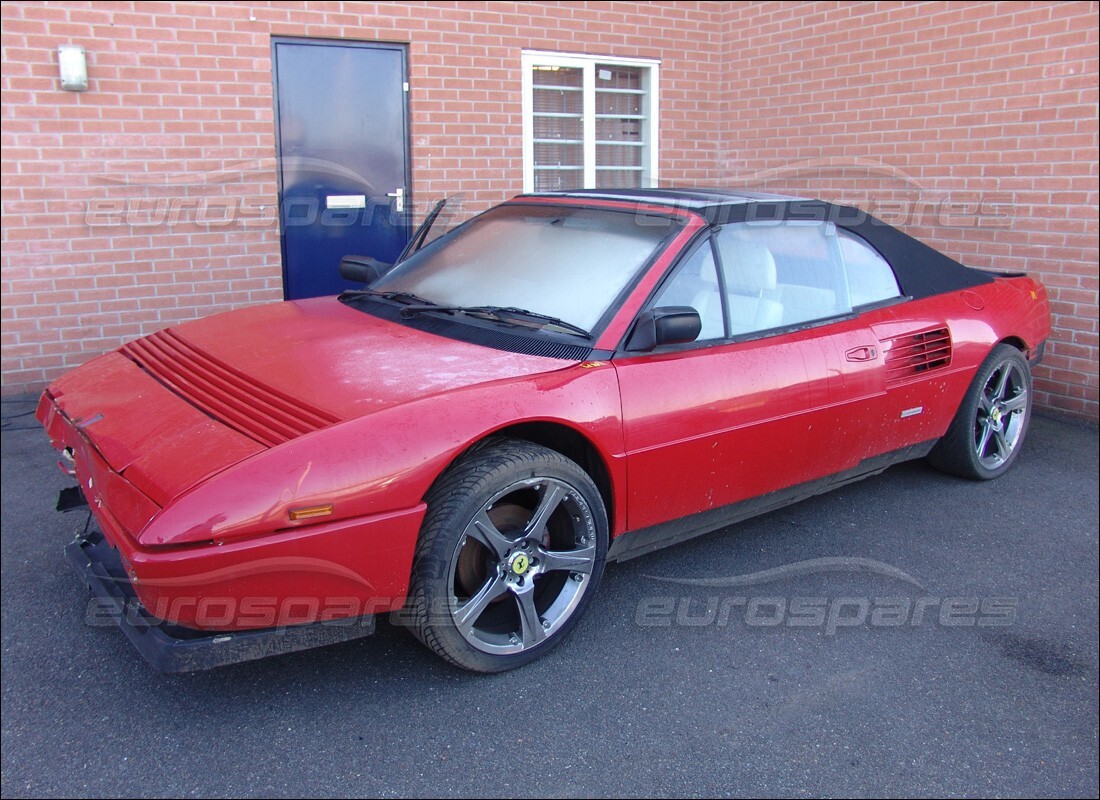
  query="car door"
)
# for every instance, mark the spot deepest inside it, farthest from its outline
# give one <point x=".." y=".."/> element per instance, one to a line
<point x="765" y="398"/>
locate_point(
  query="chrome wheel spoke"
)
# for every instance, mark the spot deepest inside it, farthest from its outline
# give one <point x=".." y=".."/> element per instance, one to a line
<point x="579" y="560"/>
<point x="1003" y="447"/>
<point x="531" y="630"/>
<point x="482" y="529"/>
<point x="552" y="496"/>
<point x="468" y="613"/>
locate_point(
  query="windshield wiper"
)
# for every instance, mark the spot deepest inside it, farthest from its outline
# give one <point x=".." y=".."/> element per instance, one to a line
<point x="557" y="321"/>
<point x="420" y="235"/>
<point x="401" y="297"/>
<point x="497" y="312"/>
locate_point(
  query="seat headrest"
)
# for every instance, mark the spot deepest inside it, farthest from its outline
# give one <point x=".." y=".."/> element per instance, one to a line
<point x="749" y="267"/>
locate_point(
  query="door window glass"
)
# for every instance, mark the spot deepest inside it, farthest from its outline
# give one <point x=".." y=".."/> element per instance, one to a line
<point x="696" y="285"/>
<point x="779" y="274"/>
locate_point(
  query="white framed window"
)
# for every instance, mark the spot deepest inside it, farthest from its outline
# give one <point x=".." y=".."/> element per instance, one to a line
<point x="589" y="122"/>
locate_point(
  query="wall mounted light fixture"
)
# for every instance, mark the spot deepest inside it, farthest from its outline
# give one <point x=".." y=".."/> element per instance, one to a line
<point x="74" y="67"/>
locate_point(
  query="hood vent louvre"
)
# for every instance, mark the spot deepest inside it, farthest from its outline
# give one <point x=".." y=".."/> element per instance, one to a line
<point x="916" y="353"/>
<point x="229" y="396"/>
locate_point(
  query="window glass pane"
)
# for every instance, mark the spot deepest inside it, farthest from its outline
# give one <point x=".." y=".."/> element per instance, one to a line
<point x="870" y="278"/>
<point x="558" y="180"/>
<point x="549" y="100"/>
<point x="558" y="128"/>
<point x="780" y="274"/>
<point x="569" y="263"/>
<point x="559" y="154"/>
<point x="622" y="149"/>
<point x="618" y="179"/>
<point x="595" y="118"/>
<point x="617" y="104"/>
<point x="696" y="285"/>
<point x="611" y="76"/>
<point x="619" y="130"/>
<point x="552" y="75"/>
<point x="618" y="155"/>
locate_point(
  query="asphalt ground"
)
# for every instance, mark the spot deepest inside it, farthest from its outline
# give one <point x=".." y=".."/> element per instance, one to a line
<point x="817" y="677"/>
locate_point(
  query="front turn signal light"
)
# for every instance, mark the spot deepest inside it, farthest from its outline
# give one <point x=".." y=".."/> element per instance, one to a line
<point x="309" y="512"/>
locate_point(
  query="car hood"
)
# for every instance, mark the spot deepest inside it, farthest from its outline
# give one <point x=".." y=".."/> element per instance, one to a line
<point x="173" y="408"/>
<point x="329" y="356"/>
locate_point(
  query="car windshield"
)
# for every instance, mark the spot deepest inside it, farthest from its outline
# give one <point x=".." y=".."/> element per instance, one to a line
<point x="559" y="261"/>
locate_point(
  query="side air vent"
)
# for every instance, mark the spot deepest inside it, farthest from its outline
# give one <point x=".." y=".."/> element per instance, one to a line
<point x="916" y="353"/>
<point x="244" y="404"/>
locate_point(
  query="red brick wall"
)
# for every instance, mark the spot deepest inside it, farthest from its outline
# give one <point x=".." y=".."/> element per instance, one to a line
<point x="179" y="111"/>
<point x="985" y="107"/>
<point x="973" y="124"/>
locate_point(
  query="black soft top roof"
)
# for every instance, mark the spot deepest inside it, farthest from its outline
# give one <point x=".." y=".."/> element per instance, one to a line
<point x="921" y="271"/>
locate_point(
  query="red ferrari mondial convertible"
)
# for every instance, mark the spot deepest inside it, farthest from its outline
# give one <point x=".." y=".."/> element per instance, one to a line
<point x="563" y="381"/>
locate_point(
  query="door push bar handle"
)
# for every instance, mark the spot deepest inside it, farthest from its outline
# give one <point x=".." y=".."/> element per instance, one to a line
<point x="398" y="196"/>
<point x="865" y="353"/>
<point x="345" y="201"/>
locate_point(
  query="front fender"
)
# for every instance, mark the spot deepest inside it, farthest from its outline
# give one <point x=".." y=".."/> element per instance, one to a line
<point x="386" y="461"/>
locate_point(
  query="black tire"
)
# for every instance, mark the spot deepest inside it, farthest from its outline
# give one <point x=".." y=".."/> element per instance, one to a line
<point x="511" y="550"/>
<point x="989" y="428"/>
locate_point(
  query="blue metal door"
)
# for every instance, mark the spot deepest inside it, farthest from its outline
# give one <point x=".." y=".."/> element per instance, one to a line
<point x="342" y="127"/>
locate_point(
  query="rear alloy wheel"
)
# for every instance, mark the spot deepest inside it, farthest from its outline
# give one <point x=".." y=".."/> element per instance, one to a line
<point x="512" y="549"/>
<point x="986" y="435"/>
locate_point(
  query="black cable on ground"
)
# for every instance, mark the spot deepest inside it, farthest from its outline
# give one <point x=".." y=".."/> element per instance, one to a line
<point x="6" y="419"/>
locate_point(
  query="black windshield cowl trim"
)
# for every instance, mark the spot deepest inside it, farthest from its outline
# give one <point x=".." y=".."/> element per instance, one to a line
<point x="497" y="313"/>
<point x="520" y="339"/>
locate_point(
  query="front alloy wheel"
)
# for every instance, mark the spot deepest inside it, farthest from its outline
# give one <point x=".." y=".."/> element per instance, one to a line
<point x="511" y="550"/>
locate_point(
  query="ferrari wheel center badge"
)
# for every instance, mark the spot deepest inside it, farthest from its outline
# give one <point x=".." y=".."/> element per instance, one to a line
<point x="520" y="564"/>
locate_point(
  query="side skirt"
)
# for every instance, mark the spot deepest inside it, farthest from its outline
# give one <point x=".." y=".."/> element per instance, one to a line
<point x="638" y="543"/>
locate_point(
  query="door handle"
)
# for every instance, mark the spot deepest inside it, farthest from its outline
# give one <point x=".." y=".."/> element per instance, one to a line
<point x="865" y="353"/>
<point x="398" y="196"/>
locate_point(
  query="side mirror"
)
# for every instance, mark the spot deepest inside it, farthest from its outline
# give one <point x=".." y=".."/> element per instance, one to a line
<point x="362" y="269"/>
<point x="668" y="325"/>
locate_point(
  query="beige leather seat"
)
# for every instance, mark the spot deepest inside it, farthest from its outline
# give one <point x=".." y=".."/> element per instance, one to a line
<point x="708" y="305"/>
<point x="749" y="270"/>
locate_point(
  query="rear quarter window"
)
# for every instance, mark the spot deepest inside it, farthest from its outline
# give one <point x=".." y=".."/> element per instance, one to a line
<point x="870" y="277"/>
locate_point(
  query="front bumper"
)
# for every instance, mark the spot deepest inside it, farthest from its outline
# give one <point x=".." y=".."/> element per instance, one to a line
<point x="173" y="648"/>
<point x="348" y="568"/>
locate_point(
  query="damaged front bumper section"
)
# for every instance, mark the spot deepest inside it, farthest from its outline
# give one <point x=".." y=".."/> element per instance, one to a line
<point x="172" y="648"/>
